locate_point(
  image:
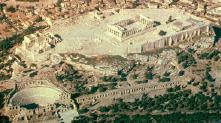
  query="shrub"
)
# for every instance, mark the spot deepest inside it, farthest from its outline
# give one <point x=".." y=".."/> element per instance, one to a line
<point x="149" y="75"/>
<point x="164" y="79"/>
<point x="11" y="9"/>
<point x="82" y="111"/>
<point x="181" y="73"/>
<point x="162" y="33"/>
<point x="104" y="109"/>
<point x="33" y="74"/>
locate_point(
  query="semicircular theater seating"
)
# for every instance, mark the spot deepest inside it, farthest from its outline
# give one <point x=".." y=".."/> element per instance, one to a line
<point x="38" y="95"/>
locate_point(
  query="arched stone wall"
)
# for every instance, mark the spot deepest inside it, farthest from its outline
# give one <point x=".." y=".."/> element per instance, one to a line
<point x="22" y="85"/>
<point x="144" y="88"/>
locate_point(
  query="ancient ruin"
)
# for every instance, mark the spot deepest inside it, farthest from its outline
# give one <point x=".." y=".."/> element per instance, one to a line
<point x="142" y="89"/>
<point x="37" y="100"/>
<point x="125" y="28"/>
<point x="132" y="61"/>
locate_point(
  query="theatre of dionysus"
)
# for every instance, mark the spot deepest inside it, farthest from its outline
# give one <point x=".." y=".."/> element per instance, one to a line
<point x="119" y="31"/>
<point x="38" y="100"/>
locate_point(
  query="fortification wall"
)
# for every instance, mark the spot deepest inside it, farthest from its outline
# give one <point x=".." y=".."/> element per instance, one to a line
<point x="144" y="88"/>
<point x="176" y="39"/>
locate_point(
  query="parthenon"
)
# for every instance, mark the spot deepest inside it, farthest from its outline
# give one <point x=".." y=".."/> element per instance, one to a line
<point x="125" y="28"/>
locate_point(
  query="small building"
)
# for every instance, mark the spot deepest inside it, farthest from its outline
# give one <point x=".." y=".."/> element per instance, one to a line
<point x="97" y="15"/>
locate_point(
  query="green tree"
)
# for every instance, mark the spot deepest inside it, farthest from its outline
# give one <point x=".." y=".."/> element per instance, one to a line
<point x="149" y="75"/>
<point x="104" y="109"/>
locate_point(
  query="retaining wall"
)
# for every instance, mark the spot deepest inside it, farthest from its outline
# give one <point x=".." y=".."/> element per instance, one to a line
<point x="176" y="39"/>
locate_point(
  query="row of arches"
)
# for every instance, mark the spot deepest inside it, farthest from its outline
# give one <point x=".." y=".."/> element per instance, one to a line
<point x="132" y="90"/>
<point x="31" y="83"/>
